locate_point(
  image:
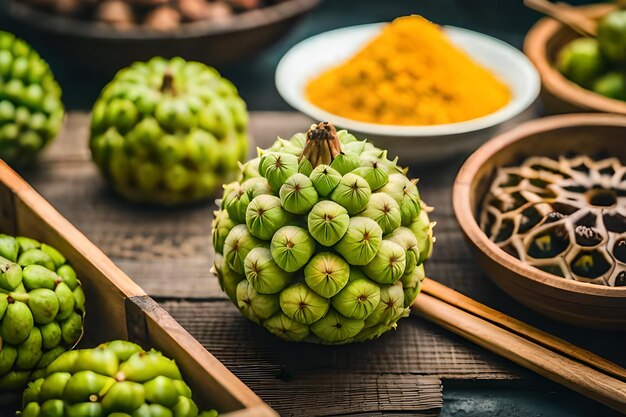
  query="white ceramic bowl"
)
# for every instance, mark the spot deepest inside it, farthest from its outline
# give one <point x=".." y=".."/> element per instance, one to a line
<point x="312" y="56"/>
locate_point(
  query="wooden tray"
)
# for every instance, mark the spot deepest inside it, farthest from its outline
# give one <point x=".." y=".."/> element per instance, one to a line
<point x="117" y="307"/>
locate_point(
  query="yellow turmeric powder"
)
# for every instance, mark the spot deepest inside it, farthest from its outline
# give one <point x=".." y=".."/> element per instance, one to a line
<point x="410" y="74"/>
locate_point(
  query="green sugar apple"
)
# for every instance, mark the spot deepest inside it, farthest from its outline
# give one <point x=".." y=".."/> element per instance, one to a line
<point x="42" y="306"/>
<point x="168" y="132"/>
<point x="116" y="379"/>
<point x="31" y="112"/>
<point x="322" y="239"/>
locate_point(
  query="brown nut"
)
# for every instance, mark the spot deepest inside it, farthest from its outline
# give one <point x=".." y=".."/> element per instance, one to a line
<point x="220" y="11"/>
<point x="194" y="9"/>
<point x="115" y="12"/>
<point x="163" y="18"/>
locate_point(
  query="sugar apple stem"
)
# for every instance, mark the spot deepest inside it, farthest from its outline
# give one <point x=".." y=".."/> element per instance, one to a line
<point x="167" y="86"/>
<point x="322" y="144"/>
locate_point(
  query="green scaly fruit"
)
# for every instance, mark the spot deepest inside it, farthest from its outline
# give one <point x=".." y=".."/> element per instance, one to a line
<point x="115" y="379"/>
<point x="322" y="239"/>
<point x="31" y="111"/>
<point x="168" y="131"/>
<point x="42" y="307"/>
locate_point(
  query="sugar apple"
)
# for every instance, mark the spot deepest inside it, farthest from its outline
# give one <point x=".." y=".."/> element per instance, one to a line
<point x="168" y="132"/>
<point x="116" y="379"/>
<point x="322" y="239"/>
<point x="31" y="112"/>
<point x="42" y="306"/>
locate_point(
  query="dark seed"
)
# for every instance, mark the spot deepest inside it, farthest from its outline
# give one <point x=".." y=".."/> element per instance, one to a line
<point x="555" y="216"/>
<point x="619" y="250"/>
<point x="587" y="236"/>
<point x="620" y="279"/>
<point x="614" y="222"/>
<point x="549" y="243"/>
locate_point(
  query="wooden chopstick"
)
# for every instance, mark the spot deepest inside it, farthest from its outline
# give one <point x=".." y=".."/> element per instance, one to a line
<point x="552" y="365"/>
<point x="565" y="14"/>
<point x="463" y="302"/>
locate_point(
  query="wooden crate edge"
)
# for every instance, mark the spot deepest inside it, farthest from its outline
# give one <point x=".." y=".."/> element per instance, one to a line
<point x="46" y="212"/>
<point x="162" y="328"/>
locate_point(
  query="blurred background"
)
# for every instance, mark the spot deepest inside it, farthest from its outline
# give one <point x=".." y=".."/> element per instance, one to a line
<point x="253" y="73"/>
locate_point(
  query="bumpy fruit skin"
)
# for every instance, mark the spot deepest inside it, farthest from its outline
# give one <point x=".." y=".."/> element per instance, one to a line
<point x="31" y="111"/>
<point x="331" y="248"/>
<point x="168" y="132"/>
<point x="42" y="306"/>
<point x="117" y="379"/>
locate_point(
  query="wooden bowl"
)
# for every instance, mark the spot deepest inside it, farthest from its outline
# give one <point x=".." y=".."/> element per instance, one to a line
<point x="579" y="303"/>
<point x="559" y="94"/>
<point x="103" y="48"/>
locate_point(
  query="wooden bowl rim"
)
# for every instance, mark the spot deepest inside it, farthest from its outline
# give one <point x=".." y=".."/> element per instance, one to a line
<point x="461" y="199"/>
<point x="553" y="81"/>
<point x="96" y="30"/>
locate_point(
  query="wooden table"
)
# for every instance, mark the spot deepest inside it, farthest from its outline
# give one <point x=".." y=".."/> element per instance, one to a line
<point x="168" y="252"/>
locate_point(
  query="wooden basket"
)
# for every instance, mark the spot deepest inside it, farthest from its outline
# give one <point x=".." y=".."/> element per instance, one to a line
<point x="118" y="308"/>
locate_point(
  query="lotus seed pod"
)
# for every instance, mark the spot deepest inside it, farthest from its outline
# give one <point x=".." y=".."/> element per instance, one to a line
<point x="568" y="220"/>
<point x="328" y="222"/>
<point x="384" y="210"/>
<point x="31" y="111"/>
<point x="292" y="247"/>
<point x="264" y="216"/>
<point x="39" y="315"/>
<point x="326" y="274"/>
<point x="331" y="246"/>
<point x="298" y="195"/>
<point x="115" y="379"/>
<point x="302" y="304"/>
<point x="388" y="265"/>
<point x="256" y="307"/>
<point x="361" y="242"/>
<point x="325" y="179"/>
<point x="265" y="276"/>
<point x="352" y="193"/>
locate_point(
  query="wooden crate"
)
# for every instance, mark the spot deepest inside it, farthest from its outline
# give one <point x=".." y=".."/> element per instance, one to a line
<point x="117" y="308"/>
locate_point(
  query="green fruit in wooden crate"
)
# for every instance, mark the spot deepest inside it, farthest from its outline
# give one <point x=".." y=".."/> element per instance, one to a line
<point x="168" y="132"/>
<point x="322" y="239"/>
<point x="31" y="112"/>
<point x="42" y="306"/>
<point x="116" y="379"/>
